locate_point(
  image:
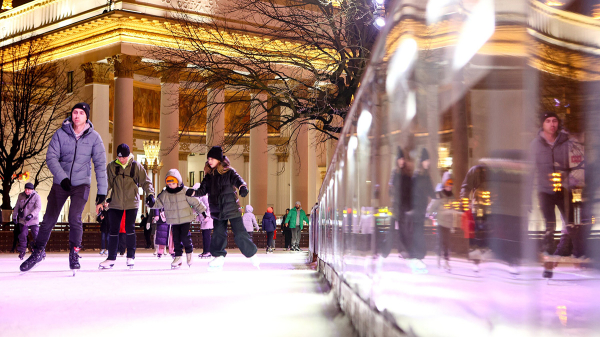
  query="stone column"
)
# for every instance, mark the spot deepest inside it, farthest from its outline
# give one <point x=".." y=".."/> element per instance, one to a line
<point x="169" y="125"/>
<point x="215" y="128"/>
<point x="96" y="93"/>
<point x="313" y="190"/>
<point x="259" y="157"/>
<point x="124" y="66"/>
<point x="299" y="168"/>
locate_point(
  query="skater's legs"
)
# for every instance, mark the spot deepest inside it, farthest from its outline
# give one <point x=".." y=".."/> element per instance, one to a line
<point x="114" y="224"/>
<point x="22" y="248"/>
<point x="270" y="240"/>
<point x="56" y="201"/>
<point x="122" y="243"/>
<point x="295" y="236"/>
<point x="34" y="232"/>
<point x="16" y="234"/>
<point x="177" y="240"/>
<point x="251" y="236"/>
<point x="418" y="240"/>
<point x="182" y="238"/>
<point x="130" y="216"/>
<point x="287" y="238"/>
<point x="205" y="241"/>
<point x="103" y="240"/>
<point x="219" y="238"/>
<point x="547" y="203"/>
<point x="444" y="242"/>
<point x="242" y="240"/>
<point x="79" y="196"/>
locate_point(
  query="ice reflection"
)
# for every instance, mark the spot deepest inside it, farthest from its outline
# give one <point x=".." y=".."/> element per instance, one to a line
<point x="463" y="194"/>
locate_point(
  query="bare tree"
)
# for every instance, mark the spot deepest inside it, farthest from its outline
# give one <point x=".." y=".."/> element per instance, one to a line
<point x="306" y="56"/>
<point x="35" y="96"/>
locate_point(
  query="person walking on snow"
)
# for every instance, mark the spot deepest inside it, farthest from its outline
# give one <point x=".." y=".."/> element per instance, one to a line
<point x="221" y="182"/>
<point x="250" y="222"/>
<point x="72" y="149"/>
<point x="25" y="213"/>
<point x="125" y="177"/>
<point x="178" y="213"/>
<point x="269" y="224"/>
<point x="295" y="220"/>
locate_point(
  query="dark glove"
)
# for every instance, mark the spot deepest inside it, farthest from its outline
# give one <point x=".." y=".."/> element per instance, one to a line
<point x="100" y="198"/>
<point x="243" y="191"/>
<point x="150" y="200"/>
<point x="109" y="200"/>
<point x="66" y="184"/>
<point x="190" y="192"/>
<point x="204" y="215"/>
<point x="29" y="217"/>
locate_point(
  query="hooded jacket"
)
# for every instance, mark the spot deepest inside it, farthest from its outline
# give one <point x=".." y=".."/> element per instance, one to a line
<point x="550" y="159"/>
<point x="177" y="206"/>
<point x="269" y="222"/>
<point x="250" y="220"/>
<point x="441" y="207"/>
<point x="222" y="193"/>
<point x="33" y="207"/>
<point x="205" y="222"/>
<point x="125" y="192"/>
<point x="68" y="157"/>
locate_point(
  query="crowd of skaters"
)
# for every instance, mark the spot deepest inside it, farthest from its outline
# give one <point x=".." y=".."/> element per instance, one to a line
<point x="214" y="203"/>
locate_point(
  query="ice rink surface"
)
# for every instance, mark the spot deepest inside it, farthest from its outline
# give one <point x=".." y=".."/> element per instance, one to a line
<point x="286" y="297"/>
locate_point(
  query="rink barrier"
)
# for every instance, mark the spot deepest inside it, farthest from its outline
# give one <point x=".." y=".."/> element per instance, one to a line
<point x="367" y="321"/>
<point x="59" y="239"/>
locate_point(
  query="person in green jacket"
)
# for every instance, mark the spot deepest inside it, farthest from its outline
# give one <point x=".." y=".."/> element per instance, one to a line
<point x="295" y="220"/>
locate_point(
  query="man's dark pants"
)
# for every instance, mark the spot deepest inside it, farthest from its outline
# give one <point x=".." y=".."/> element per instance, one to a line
<point x="56" y="200"/>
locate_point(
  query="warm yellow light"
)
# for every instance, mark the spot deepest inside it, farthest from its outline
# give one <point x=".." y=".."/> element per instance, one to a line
<point x="556" y="180"/>
<point x="554" y="3"/>
<point x="7" y="4"/>
<point x="151" y="150"/>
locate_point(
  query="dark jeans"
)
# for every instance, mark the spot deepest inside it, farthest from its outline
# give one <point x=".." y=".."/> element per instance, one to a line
<point x="114" y="224"/>
<point x="547" y="203"/>
<point x="443" y="242"/>
<point x="270" y="242"/>
<point x="405" y="235"/>
<point x="287" y="234"/>
<point x="182" y="238"/>
<point x="418" y="249"/>
<point x="506" y="236"/>
<point x="206" y="241"/>
<point x="251" y="235"/>
<point x="241" y="237"/>
<point x="103" y="240"/>
<point x="56" y="200"/>
<point x="23" y="236"/>
<point x="148" y="237"/>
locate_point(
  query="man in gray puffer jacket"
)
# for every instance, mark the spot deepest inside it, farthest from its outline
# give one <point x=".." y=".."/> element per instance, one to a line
<point x="69" y="157"/>
<point x="551" y="151"/>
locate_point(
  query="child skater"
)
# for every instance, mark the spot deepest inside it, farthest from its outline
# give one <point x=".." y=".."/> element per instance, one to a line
<point x="206" y="225"/>
<point x="441" y="210"/>
<point x="221" y="182"/>
<point x="161" y="236"/>
<point x="269" y="225"/>
<point x="178" y="214"/>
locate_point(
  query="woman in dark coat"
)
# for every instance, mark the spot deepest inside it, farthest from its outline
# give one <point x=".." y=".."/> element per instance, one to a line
<point x="221" y="182"/>
<point x="401" y="192"/>
<point x="422" y="192"/>
<point x="287" y="232"/>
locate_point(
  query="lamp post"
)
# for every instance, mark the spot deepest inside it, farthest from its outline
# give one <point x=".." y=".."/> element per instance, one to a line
<point x="151" y="164"/>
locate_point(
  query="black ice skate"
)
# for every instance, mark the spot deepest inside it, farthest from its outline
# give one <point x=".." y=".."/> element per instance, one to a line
<point x="74" y="259"/>
<point x="33" y="259"/>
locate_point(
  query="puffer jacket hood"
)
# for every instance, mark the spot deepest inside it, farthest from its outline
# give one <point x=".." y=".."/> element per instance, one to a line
<point x="249" y="209"/>
<point x="269" y="222"/>
<point x="175" y="173"/>
<point x="69" y="157"/>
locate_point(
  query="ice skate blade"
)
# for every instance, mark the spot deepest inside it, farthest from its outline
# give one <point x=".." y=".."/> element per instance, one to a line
<point x="74" y="272"/>
<point x="176" y="267"/>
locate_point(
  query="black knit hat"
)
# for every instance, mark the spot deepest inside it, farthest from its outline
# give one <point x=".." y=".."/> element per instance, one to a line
<point x="216" y="153"/>
<point x="123" y="150"/>
<point x="29" y="186"/>
<point x="400" y="153"/>
<point x="424" y="155"/>
<point x="83" y="106"/>
<point x="548" y="114"/>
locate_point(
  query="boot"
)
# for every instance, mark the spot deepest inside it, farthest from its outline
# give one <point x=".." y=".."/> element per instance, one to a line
<point x="189" y="258"/>
<point x="130" y="262"/>
<point x="176" y="262"/>
<point x="74" y="258"/>
<point x="217" y="262"/>
<point x="36" y="256"/>
<point x="106" y="264"/>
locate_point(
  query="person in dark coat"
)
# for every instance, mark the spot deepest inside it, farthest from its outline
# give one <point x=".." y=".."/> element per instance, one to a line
<point x="422" y="192"/>
<point x="221" y="182"/>
<point x="25" y="213"/>
<point x="287" y="232"/>
<point x="161" y="238"/>
<point x="103" y="220"/>
<point x="269" y="224"/>
<point x="146" y="227"/>
<point x="401" y="192"/>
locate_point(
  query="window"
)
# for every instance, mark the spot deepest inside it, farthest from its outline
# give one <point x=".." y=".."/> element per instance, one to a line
<point x="70" y="82"/>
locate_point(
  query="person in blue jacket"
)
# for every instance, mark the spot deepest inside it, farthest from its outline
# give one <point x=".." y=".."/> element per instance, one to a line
<point x="269" y="224"/>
